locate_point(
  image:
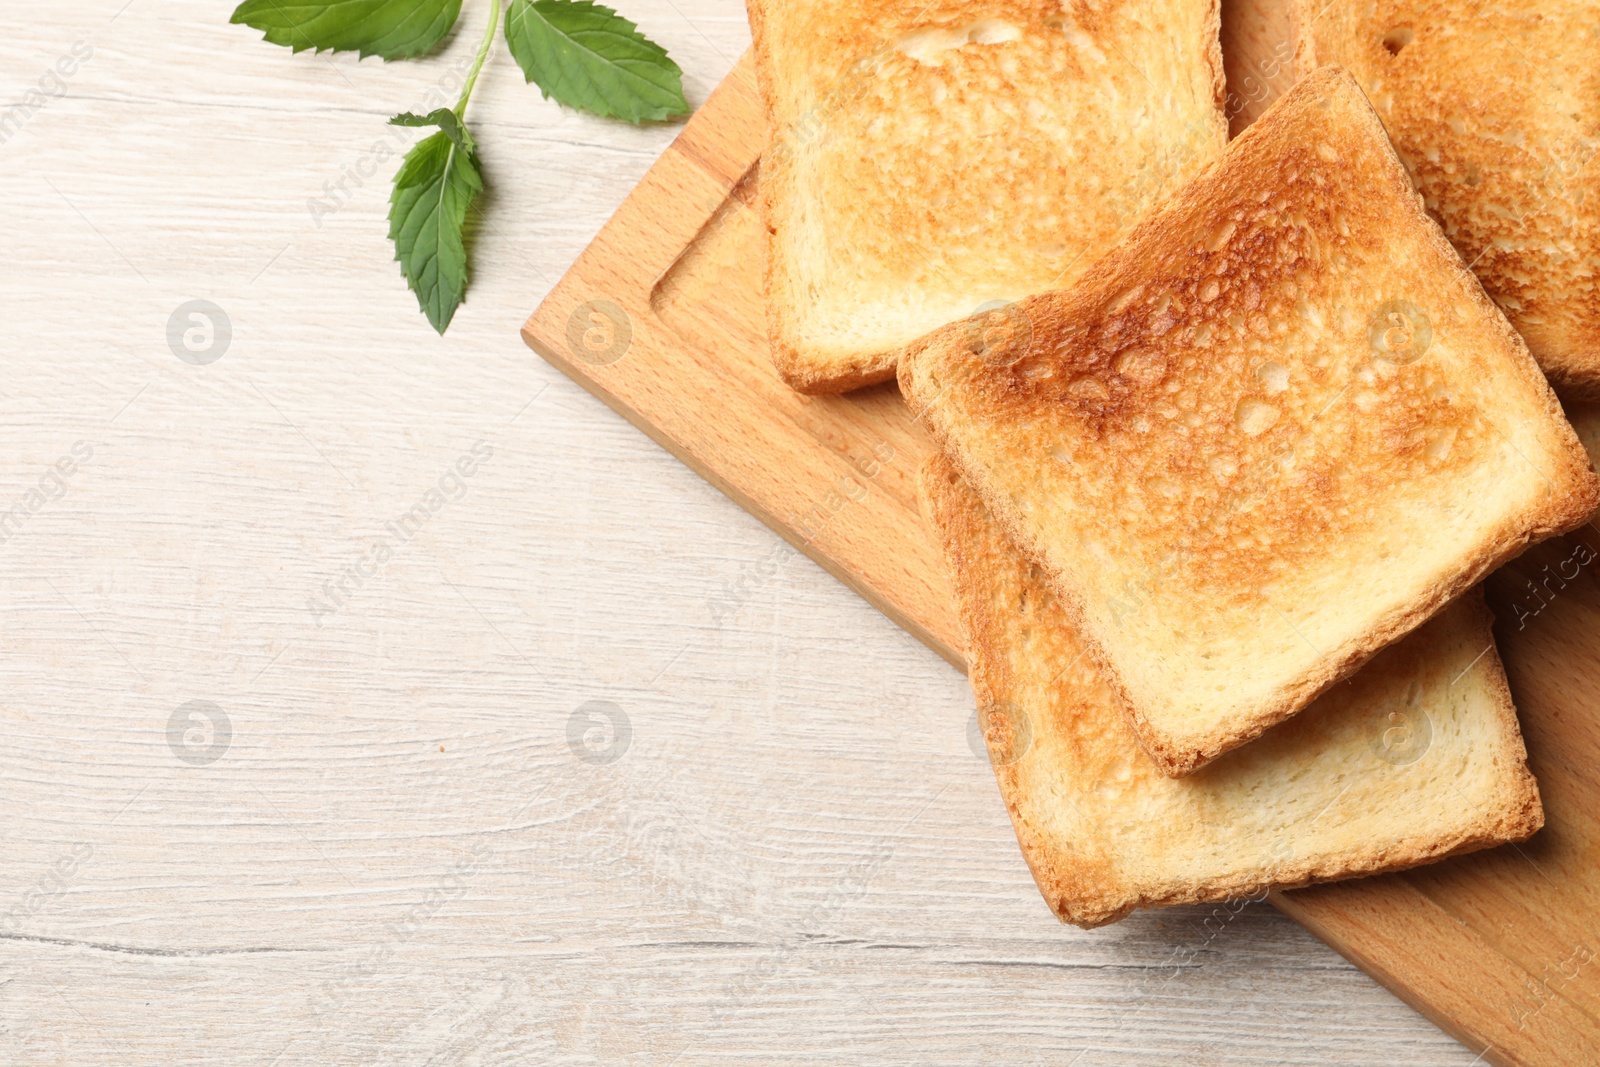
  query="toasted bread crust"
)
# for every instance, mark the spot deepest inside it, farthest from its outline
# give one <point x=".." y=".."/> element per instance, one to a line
<point x="800" y="370"/>
<point x="1493" y="110"/>
<point x="1079" y="884"/>
<point x="875" y="234"/>
<point x="1079" y="874"/>
<point x="803" y="373"/>
<point x="1031" y="381"/>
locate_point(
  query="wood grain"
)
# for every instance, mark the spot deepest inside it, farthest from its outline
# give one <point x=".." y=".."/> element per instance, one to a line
<point x="401" y="858"/>
<point x="1497" y="948"/>
<point x="835" y="475"/>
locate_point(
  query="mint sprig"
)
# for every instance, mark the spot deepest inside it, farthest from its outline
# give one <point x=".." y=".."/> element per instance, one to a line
<point x="579" y="53"/>
<point x="443" y="118"/>
<point x="393" y="29"/>
<point x="589" y="57"/>
<point x="433" y="190"/>
<point x="436" y="185"/>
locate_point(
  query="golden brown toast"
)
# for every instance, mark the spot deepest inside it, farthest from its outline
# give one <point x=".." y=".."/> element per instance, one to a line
<point x="1274" y="430"/>
<point x="926" y="159"/>
<point x="1495" y="111"/>
<point x="1415" y="758"/>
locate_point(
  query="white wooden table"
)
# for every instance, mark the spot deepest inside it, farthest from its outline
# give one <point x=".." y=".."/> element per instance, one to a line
<point x="396" y="828"/>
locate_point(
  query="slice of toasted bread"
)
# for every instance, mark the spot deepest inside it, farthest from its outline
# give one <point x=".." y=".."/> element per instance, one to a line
<point x="1276" y="429"/>
<point x="1495" y="110"/>
<point x="926" y="160"/>
<point x="1415" y="758"/>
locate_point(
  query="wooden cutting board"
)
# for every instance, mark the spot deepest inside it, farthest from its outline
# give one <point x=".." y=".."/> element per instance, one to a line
<point x="662" y="319"/>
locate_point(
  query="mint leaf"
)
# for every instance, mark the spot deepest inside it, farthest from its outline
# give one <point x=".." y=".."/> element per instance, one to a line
<point x="433" y="189"/>
<point x="587" y="56"/>
<point x="393" y="29"/>
<point x="446" y="120"/>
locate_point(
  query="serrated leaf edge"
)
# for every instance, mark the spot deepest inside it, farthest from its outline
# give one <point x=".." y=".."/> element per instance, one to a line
<point x="414" y="284"/>
<point x="648" y="113"/>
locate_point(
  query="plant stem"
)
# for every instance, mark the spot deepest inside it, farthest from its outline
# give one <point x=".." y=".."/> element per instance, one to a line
<point x="477" y="65"/>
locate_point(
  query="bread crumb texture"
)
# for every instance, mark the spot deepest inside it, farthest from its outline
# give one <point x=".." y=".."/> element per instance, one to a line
<point x="1416" y="757"/>
<point x="1495" y="110"/>
<point x="1276" y="429"/>
<point x="928" y="159"/>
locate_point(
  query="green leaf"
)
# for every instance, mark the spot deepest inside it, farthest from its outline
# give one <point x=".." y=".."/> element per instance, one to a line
<point x="433" y="189"/>
<point x="393" y="29"/>
<point x="589" y="57"/>
<point x="443" y="118"/>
